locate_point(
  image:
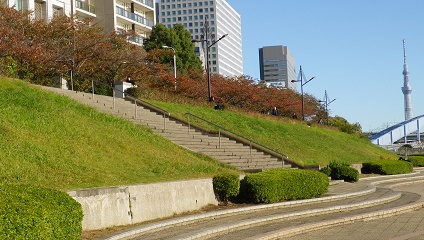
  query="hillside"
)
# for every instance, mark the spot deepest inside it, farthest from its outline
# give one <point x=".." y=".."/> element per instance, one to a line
<point x="316" y="144"/>
<point x="49" y="140"/>
<point x="52" y="141"/>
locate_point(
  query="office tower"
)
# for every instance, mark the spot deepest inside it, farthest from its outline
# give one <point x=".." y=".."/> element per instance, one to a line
<point x="277" y="66"/>
<point x="214" y="18"/>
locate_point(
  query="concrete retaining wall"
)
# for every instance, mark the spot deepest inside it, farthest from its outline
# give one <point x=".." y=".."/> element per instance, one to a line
<point x="114" y="206"/>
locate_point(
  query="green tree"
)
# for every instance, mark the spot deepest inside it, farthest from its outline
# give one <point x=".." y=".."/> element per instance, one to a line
<point x="177" y="38"/>
<point x="344" y="125"/>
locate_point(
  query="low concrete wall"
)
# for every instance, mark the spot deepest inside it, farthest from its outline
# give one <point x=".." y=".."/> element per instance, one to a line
<point x="114" y="206"/>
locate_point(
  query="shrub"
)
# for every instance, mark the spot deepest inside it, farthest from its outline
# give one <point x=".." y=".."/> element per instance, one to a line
<point x="387" y="167"/>
<point x="348" y="174"/>
<point x="275" y="185"/>
<point x="417" y="161"/>
<point x="334" y="164"/>
<point x="226" y="185"/>
<point x="326" y="171"/>
<point x="30" y="212"/>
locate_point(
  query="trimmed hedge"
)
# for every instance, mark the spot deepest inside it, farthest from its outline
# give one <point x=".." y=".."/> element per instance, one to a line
<point x="417" y="161"/>
<point x="30" y="212"/>
<point x="226" y="185"/>
<point x="275" y="185"/>
<point x="387" y="167"/>
<point x="348" y="174"/>
<point x="326" y="171"/>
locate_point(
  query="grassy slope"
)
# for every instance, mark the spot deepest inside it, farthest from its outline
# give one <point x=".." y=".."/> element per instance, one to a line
<point x="304" y="144"/>
<point x="52" y="141"/>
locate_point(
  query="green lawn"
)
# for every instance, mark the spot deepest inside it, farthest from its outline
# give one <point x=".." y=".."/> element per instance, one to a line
<point x="302" y="143"/>
<point x="49" y="140"/>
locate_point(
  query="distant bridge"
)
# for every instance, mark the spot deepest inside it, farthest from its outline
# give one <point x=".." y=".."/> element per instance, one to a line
<point x="408" y="131"/>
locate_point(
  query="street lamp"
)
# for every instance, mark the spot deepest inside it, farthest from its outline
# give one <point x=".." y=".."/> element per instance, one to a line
<point x="326" y="102"/>
<point x="301" y="90"/>
<point x="175" y="65"/>
<point x="206" y="27"/>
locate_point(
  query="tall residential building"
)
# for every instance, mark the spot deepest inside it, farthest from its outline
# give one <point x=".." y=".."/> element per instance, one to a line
<point x="127" y="15"/>
<point x="114" y="15"/>
<point x="277" y="66"/>
<point x="225" y="56"/>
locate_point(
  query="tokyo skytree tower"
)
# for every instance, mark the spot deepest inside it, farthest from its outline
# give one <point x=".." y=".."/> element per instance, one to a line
<point x="406" y="89"/>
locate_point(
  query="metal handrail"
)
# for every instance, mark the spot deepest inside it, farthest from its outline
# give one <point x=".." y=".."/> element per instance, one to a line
<point x="242" y="139"/>
<point x="129" y="97"/>
<point x="221" y="130"/>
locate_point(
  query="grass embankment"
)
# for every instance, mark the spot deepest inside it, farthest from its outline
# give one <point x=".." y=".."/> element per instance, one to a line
<point x="51" y="141"/>
<point x="305" y="144"/>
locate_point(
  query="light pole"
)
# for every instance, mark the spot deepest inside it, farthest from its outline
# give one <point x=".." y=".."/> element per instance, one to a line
<point x="301" y="90"/>
<point x="206" y="34"/>
<point x="175" y="65"/>
<point x="326" y="102"/>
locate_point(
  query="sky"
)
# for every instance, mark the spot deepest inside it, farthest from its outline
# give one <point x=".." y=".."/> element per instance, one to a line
<point x="353" y="49"/>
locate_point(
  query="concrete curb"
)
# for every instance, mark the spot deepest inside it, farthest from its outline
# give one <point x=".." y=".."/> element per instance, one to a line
<point x="301" y="214"/>
<point x="188" y="219"/>
<point x="287" y="232"/>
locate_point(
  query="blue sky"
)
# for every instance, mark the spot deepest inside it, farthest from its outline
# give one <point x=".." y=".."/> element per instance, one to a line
<point x="353" y="48"/>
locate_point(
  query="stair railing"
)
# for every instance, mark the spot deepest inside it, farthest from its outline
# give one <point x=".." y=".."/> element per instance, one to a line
<point x="221" y="131"/>
<point x="137" y="101"/>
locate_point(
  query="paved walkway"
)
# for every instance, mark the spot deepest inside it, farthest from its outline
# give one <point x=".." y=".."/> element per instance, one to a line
<point x="399" y="227"/>
<point x="349" y="211"/>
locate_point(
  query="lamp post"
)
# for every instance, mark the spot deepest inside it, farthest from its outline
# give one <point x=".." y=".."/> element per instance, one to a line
<point x="326" y="102"/>
<point x="175" y="65"/>
<point x="301" y="90"/>
<point x="206" y="34"/>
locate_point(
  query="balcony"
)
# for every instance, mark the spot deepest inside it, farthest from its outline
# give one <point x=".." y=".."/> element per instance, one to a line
<point x="146" y="2"/>
<point x="134" y="17"/>
<point x="84" y="6"/>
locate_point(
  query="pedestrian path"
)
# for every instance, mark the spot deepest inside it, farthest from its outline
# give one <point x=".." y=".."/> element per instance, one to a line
<point x="393" y="198"/>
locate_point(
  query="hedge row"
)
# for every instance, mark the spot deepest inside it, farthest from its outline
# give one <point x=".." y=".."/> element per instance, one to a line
<point x="387" y="167"/>
<point x="226" y="185"/>
<point x="417" y="161"/>
<point x="30" y="212"/>
<point x="276" y="185"/>
<point x="341" y="171"/>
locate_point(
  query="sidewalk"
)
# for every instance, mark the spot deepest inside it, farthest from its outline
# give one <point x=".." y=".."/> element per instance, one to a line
<point x="400" y="227"/>
<point x="397" y="198"/>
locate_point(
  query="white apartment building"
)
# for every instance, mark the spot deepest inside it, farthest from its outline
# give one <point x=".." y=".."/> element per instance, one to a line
<point x="225" y="56"/>
<point x="113" y="15"/>
<point x="277" y="66"/>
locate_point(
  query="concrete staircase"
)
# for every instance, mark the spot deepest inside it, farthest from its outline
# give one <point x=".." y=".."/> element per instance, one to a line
<point x="223" y="149"/>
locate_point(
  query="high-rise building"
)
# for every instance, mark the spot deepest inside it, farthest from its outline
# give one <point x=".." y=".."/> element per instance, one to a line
<point x="277" y="66"/>
<point x="114" y="15"/>
<point x="214" y="18"/>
